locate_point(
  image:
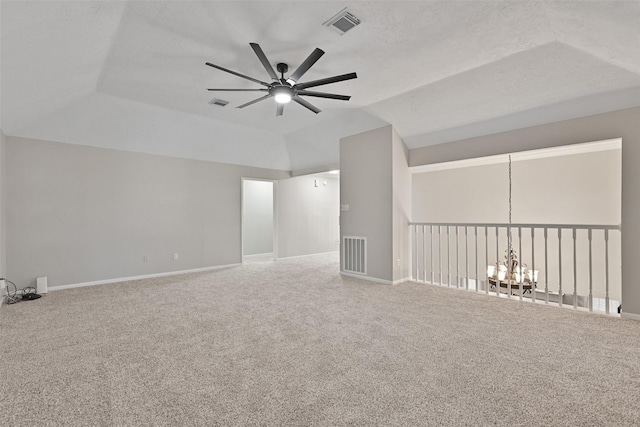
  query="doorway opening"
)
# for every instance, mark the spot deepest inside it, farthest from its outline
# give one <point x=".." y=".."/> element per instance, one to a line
<point x="258" y="220"/>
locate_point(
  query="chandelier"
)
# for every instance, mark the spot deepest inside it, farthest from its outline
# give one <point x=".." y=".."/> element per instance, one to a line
<point x="508" y="272"/>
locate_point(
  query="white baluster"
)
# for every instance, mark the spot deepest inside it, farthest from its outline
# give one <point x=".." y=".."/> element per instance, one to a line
<point x="520" y="262"/>
<point x="546" y="269"/>
<point x="590" y="273"/>
<point x="457" y="259"/>
<point x="440" y="252"/>
<point x="533" y="276"/>
<point x="466" y="258"/>
<point x="431" y="252"/>
<point x="575" y="272"/>
<point x="448" y="257"/>
<point x="475" y="232"/>
<point x="560" y="265"/>
<point x="606" y="269"/>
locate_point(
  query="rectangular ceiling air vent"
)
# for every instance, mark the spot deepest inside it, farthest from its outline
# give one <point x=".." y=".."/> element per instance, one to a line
<point x="342" y="22"/>
<point x="218" y="102"/>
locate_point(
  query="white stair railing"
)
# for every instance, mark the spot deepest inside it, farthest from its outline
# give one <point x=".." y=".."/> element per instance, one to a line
<point x="592" y="253"/>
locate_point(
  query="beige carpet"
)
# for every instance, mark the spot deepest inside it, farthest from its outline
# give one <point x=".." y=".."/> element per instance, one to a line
<point x="291" y="342"/>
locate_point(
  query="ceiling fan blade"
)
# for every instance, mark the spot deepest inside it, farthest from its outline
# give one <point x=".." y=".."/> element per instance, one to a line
<point x="324" y="95"/>
<point x="254" y="101"/>
<point x="304" y="67"/>
<point x="265" y="62"/>
<point x="237" y="74"/>
<point x="326" y="81"/>
<point x="306" y="104"/>
<point x="240" y="90"/>
<point x="280" y="110"/>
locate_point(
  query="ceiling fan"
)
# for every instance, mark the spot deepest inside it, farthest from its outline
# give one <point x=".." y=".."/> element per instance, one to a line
<point x="289" y="89"/>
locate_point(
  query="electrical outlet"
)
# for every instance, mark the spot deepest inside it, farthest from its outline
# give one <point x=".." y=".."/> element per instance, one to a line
<point x="145" y="258"/>
<point x="398" y="262"/>
<point x="175" y="256"/>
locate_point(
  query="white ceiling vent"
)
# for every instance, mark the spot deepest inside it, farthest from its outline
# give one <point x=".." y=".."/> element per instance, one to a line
<point x="218" y="102"/>
<point x="342" y="22"/>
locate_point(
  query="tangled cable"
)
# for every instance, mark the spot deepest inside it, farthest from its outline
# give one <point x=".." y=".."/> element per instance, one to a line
<point x="28" y="293"/>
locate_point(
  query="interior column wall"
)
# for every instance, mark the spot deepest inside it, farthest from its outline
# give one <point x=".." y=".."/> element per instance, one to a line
<point x="623" y="123"/>
<point x="375" y="183"/>
<point x="401" y="209"/>
<point x="366" y="187"/>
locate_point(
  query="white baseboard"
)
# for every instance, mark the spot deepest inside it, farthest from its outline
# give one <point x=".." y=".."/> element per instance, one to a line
<point x="307" y="255"/>
<point x="264" y="255"/>
<point x="145" y="276"/>
<point x="367" y="278"/>
<point x="630" y="316"/>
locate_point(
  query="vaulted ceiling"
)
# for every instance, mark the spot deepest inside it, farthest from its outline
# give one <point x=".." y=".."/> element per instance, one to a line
<point x="131" y="75"/>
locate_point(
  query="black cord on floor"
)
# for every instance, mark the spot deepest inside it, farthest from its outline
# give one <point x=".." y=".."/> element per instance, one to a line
<point x="30" y="293"/>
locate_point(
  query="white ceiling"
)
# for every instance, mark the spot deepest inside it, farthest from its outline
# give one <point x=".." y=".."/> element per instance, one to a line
<point x="132" y="75"/>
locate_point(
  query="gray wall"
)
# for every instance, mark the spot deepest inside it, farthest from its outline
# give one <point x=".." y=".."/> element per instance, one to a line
<point x="366" y="186"/>
<point x="623" y="123"/>
<point x="78" y="214"/>
<point x="257" y="217"/>
<point x="573" y="189"/>
<point x="308" y="216"/>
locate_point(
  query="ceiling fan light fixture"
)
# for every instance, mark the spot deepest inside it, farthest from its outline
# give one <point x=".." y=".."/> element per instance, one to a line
<point x="283" y="98"/>
<point x="282" y="94"/>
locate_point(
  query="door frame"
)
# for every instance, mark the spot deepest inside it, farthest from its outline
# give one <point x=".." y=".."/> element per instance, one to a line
<point x="275" y="216"/>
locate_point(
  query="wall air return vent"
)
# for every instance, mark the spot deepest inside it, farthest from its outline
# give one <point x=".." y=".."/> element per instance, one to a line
<point x="354" y="254"/>
<point x="218" y="102"/>
<point x="342" y="22"/>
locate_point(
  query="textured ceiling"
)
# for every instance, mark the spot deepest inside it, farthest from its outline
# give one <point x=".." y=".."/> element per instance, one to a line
<point x="132" y="75"/>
